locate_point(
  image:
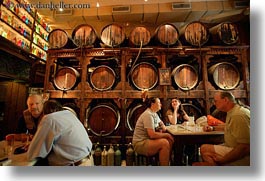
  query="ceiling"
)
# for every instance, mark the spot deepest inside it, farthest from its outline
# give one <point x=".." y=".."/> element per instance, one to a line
<point x="150" y="13"/>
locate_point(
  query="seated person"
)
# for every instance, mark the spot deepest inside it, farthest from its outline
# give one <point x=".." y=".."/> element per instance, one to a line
<point x="236" y="148"/>
<point x="219" y="114"/>
<point x="61" y="138"/>
<point x="176" y="113"/>
<point x="146" y="140"/>
<point x="32" y="115"/>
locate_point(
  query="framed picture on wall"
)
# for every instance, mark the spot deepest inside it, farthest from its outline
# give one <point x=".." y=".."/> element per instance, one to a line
<point x="164" y="76"/>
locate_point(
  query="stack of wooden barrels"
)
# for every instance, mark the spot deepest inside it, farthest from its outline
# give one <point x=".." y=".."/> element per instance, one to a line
<point x="195" y="34"/>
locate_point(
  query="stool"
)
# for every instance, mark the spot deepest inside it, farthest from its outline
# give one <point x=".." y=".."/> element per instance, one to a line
<point x="143" y="160"/>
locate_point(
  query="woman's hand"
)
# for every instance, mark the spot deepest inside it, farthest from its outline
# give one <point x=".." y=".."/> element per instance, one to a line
<point x="169" y="137"/>
<point x="176" y="106"/>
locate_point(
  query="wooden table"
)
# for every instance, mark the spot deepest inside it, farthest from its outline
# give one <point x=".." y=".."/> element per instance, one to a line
<point x="185" y="135"/>
<point x="16" y="160"/>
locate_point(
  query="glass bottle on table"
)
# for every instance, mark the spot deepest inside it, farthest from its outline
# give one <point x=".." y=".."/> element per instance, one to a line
<point x="28" y="136"/>
<point x="199" y="155"/>
<point x="10" y="141"/>
<point x="191" y="118"/>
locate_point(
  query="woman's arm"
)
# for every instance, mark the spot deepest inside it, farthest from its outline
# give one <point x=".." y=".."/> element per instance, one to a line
<point x="162" y="126"/>
<point x="185" y="116"/>
<point x="173" y="116"/>
<point x="157" y="135"/>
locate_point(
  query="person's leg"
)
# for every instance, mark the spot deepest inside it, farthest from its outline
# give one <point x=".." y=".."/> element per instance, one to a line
<point x="171" y="158"/>
<point x="170" y="143"/>
<point x="163" y="147"/>
<point x="208" y="153"/>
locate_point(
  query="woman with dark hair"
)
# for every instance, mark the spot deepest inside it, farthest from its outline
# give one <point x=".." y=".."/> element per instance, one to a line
<point x="61" y="138"/>
<point x="176" y="113"/>
<point x="146" y="140"/>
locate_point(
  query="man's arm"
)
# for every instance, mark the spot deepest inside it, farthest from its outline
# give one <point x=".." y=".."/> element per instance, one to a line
<point x="42" y="141"/>
<point x="208" y="128"/>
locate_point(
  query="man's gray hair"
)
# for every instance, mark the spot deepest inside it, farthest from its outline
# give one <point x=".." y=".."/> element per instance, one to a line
<point x="229" y="95"/>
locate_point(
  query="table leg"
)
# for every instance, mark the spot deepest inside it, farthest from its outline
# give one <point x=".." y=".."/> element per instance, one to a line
<point x="178" y="151"/>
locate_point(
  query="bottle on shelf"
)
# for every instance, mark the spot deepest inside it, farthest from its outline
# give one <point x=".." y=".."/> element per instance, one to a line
<point x="97" y="155"/>
<point x="136" y="159"/>
<point x="117" y="156"/>
<point x="23" y="17"/>
<point x="129" y="155"/>
<point x="16" y="10"/>
<point x="104" y="156"/>
<point x="110" y="156"/>
<point x="19" y="21"/>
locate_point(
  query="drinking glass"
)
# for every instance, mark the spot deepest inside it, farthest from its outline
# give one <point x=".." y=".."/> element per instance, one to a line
<point x="10" y="141"/>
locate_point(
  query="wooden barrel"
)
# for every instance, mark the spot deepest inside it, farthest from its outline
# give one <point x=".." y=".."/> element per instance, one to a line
<point x="225" y="75"/>
<point x="112" y="35"/>
<point x="144" y="76"/>
<point x="167" y="34"/>
<point x="133" y="114"/>
<point x="195" y="33"/>
<point x="84" y="35"/>
<point x="225" y="33"/>
<point x="191" y="109"/>
<point x="103" y="119"/>
<point x="185" y="76"/>
<point x="102" y="78"/>
<point x="140" y="35"/>
<point x="58" y="38"/>
<point x="66" y="78"/>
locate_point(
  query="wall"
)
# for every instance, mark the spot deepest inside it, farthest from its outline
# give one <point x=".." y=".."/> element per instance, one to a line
<point x="13" y="100"/>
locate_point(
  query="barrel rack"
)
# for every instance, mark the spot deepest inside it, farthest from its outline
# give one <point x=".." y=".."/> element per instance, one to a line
<point x="123" y="93"/>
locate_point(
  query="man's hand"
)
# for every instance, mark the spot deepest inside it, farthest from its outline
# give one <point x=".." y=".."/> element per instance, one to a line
<point x="208" y="128"/>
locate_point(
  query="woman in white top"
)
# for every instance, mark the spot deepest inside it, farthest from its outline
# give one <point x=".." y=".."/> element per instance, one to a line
<point x="146" y="140"/>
